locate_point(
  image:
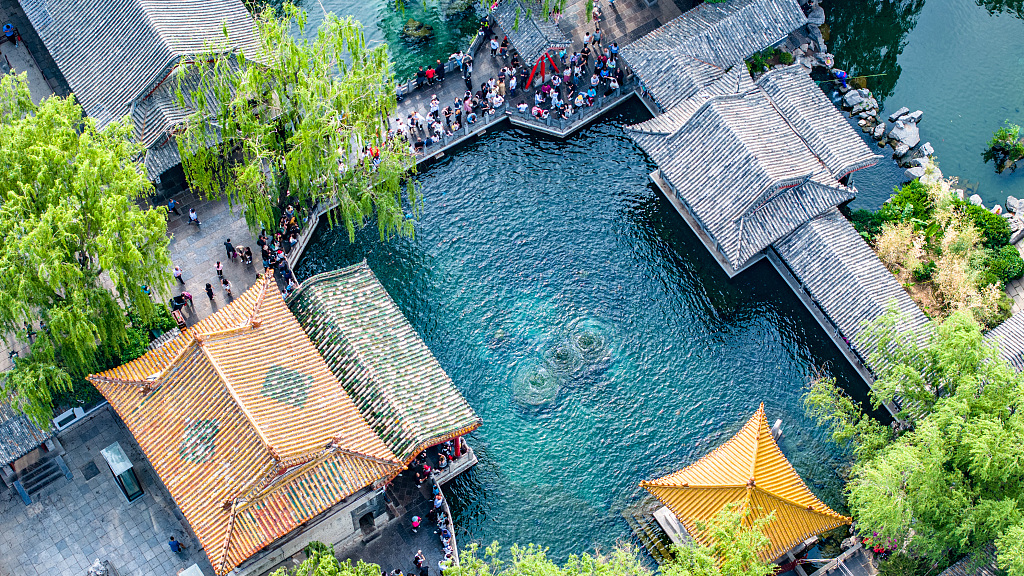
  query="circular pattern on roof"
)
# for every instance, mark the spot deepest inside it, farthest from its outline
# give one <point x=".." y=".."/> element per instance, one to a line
<point x="197" y="444"/>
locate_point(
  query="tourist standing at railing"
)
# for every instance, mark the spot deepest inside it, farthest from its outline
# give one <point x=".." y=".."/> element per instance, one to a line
<point x="429" y="72"/>
<point x="439" y="71"/>
<point x="421" y="77"/>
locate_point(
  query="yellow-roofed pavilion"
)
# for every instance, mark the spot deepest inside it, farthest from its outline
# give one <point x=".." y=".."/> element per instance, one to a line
<point x="749" y="469"/>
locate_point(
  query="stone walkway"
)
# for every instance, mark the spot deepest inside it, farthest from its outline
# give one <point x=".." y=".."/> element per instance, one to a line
<point x="72" y="523"/>
<point x="1015" y="289"/>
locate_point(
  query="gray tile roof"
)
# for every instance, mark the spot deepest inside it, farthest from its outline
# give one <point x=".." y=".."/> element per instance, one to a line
<point x="675" y="60"/>
<point x="119" y="55"/>
<point x="1010" y="337"/>
<point x="842" y="274"/>
<point x="383" y="364"/>
<point x="533" y="36"/>
<point x="18" y="436"/>
<point x="742" y="168"/>
<point x="969" y="566"/>
<point x="822" y="127"/>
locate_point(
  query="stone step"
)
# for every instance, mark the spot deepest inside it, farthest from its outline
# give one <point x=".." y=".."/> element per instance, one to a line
<point x="40" y="475"/>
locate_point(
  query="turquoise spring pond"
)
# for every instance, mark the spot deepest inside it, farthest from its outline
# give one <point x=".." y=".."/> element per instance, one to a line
<point x="529" y="251"/>
<point x="590" y="330"/>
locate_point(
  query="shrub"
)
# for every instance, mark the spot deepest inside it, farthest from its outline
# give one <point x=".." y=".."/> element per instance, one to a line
<point x="1006" y="264"/>
<point x="924" y="271"/>
<point x="986" y="278"/>
<point x="785" y="58"/>
<point x="994" y="229"/>
<point x="914" y="195"/>
<point x="902" y="565"/>
<point x="136" y="344"/>
<point x="895" y="245"/>
<point x="162" y="321"/>
<point x="866" y="222"/>
<point x="1005" y="148"/>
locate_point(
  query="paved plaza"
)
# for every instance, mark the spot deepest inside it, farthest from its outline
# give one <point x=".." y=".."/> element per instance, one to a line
<point x="72" y="523"/>
<point x="197" y="249"/>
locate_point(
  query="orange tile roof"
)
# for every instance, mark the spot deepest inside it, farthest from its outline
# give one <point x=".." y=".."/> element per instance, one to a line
<point x="246" y="426"/>
<point x="750" y="469"/>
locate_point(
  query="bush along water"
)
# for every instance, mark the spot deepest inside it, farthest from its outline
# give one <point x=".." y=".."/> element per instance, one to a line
<point x="1005" y="148"/>
<point x="949" y="253"/>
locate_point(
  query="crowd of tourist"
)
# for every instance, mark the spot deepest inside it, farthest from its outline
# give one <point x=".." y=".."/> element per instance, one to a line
<point x="581" y="78"/>
<point x="272" y="246"/>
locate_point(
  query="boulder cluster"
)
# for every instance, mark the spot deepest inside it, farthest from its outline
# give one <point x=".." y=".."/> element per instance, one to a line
<point x="901" y="133"/>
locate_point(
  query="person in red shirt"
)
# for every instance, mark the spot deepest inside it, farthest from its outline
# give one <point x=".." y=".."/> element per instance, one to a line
<point x="430" y="76"/>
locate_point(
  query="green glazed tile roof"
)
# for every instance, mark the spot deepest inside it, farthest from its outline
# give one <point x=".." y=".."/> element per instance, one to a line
<point x="381" y="361"/>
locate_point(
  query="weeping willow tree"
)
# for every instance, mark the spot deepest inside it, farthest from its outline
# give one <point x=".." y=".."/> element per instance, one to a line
<point x="298" y="121"/>
<point x="75" y="247"/>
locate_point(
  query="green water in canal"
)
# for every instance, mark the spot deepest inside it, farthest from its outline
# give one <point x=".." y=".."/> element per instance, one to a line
<point x="527" y="245"/>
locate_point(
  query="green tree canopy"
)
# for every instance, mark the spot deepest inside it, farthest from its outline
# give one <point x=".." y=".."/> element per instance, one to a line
<point x="75" y="247"/>
<point x="321" y="561"/>
<point x="733" y="553"/>
<point x="952" y="480"/>
<point x="296" y="121"/>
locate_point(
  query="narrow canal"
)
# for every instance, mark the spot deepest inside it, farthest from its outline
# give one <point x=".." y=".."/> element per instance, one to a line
<point x="526" y="244"/>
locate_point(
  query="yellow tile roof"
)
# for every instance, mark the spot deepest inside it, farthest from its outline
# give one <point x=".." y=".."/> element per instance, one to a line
<point x="246" y="426"/>
<point x="750" y="469"/>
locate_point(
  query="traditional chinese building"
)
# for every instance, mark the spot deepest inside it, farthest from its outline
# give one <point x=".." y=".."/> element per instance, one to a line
<point x="120" y="57"/>
<point x="749" y="470"/>
<point x="758" y="168"/>
<point x="258" y="441"/>
<point x="381" y="362"/>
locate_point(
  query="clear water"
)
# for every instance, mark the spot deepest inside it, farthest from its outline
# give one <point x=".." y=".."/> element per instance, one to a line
<point x="383" y="21"/>
<point x="524" y="242"/>
<point x="954" y="60"/>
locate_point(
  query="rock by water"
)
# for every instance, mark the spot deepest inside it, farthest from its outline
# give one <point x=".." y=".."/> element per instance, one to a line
<point x="904" y="133"/>
<point x="852" y="98"/>
<point x="1012" y="204"/>
<point x="895" y="115"/>
<point x="416" y="30"/>
<point x="914" y="173"/>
